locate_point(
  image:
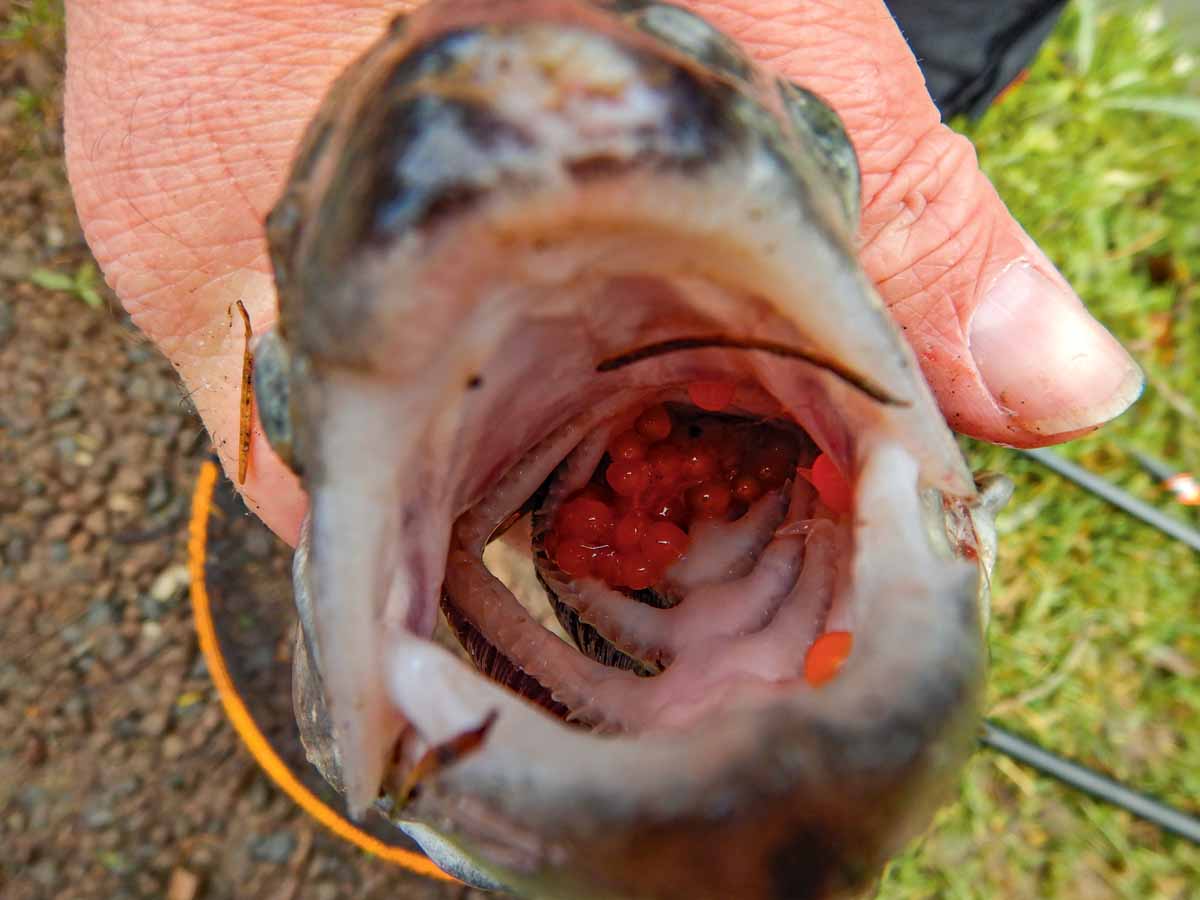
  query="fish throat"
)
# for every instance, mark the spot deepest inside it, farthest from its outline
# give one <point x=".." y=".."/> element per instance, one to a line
<point x="672" y="537"/>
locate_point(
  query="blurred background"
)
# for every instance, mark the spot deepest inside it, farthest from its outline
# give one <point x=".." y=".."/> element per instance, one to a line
<point x="119" y="776"/>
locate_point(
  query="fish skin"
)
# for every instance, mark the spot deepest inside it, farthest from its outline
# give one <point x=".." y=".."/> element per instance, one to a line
<point x="808" y="801"/>
<point x="334" y="215"/>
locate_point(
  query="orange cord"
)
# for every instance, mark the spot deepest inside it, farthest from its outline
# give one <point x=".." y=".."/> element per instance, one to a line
<point x="239" y="715"/>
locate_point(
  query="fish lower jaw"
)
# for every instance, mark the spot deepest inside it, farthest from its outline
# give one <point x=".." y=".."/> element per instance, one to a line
<point x="731" y="731"/>
<point x="871" y="571"/>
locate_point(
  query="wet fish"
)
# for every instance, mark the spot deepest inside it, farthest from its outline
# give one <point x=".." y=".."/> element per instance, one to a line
<point x="512" y="229"/>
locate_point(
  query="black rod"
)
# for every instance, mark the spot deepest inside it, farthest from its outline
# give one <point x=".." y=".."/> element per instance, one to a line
<point x="1106" y="490"/>
<point x="1091" y="782"/>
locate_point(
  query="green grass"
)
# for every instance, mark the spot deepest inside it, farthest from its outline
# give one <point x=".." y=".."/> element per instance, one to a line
<point x="30" y="21"/>
<point x="1095" y="636"/>
<point x="82" y="283"/>
<point x="30" y="27"/>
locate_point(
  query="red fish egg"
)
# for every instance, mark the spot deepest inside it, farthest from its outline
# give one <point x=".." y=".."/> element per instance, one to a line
<point x="699" y="463"/>
<point x="826" y="656"/>
<point x="586" y="518"/>
<point x="574" y="558"/>
<point x="722" y="440"/>
<point x="709" y="500"/>
<point x="664" y="542"/>
<point x="747" y="488"/>
<point x="669" y="509"/>
<point x="834" y="490"/>
<point x="628" y="479"/>
<point x="637" y="572"/>
<point x="729" y="454"/>
<point x="607" y="566"/>
<point x="780" y="445"/>
<point x="772" y="469"/>
<point x="630" y="530"/>
<point x="654" y="424"/>
<point x="624" y="506"/>
<point x="711" y="395"/>
<point x="627" y="446"/>
<point x="666" y="462"/>
<point x="594" y="492"/>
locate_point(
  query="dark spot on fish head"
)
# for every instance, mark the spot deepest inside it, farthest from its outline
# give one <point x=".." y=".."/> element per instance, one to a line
<point x="597" y="165"/>
<point x="699" y="128"/>
<point x="622" y="7"/>
<point x="283" y="226"/>
<point x="821" y="134"/>
<point x="432" y="159"/>
<point x="689" y="34"/>
<point x="474" y="382"/>
<point x="271" y="380"/>
<point x="808" y="864"/>
<point x="436" y="56"/>
<point x="398" y="24"/>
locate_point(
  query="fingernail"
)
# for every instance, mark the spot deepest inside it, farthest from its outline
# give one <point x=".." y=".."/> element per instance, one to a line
<point x="1045" y="360"/>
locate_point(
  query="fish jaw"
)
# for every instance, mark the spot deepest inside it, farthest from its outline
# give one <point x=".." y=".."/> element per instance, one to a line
<point x="452" y="278"/>
<point x="449" y="437"/>
<point x="802" y="794"/>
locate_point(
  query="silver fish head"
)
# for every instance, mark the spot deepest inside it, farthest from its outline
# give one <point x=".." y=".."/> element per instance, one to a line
<point x="517" y="236"/>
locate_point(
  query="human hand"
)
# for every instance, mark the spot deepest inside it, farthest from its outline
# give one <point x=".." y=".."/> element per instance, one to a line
<point x="181" y="123"/>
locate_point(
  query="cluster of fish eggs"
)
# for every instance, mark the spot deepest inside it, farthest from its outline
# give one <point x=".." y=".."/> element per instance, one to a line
<point x="660" y="477"/>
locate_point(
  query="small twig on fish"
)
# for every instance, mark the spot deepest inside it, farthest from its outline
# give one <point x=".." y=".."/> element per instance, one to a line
<point x="445" y="754"/>
<point x="247" y="397"/>
<point x="676" y="345"/>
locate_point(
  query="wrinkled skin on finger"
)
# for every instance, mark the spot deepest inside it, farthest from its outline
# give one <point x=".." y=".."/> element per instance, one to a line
<point x="181" y="123"/>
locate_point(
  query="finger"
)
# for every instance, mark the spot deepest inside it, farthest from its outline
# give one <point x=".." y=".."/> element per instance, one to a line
<point x="1009" y="349"/>
<point x="180" y="125"/>
<point x="177" y="152"/>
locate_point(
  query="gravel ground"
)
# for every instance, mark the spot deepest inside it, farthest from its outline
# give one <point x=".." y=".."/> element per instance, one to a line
<point x="119" y="775"/>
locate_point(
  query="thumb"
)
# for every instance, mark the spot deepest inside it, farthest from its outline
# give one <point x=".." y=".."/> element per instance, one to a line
<point x="1008" y="348"/>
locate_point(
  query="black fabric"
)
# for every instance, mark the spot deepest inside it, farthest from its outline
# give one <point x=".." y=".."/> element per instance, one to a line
<point x="971" y="50"/>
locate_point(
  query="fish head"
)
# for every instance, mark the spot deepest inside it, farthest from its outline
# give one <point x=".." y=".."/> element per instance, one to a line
<point x="517" y="237"/>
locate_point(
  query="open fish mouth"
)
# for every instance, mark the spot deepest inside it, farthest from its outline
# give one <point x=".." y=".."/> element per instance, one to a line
<point x="581" y="278"/>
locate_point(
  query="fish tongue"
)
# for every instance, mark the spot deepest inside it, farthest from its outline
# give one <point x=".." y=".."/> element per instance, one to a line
<point x="374" y="571"/>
